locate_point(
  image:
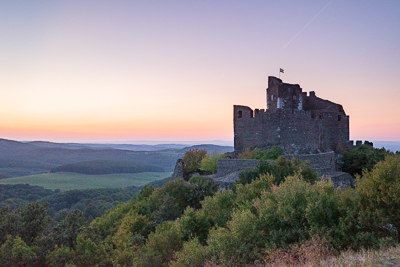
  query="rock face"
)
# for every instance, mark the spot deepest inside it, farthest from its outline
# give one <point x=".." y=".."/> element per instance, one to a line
<point x="339" y="179"/>
<point x="178" y="171"/>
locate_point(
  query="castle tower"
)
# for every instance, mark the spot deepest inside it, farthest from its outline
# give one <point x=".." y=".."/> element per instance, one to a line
<point x="293" y="121"/>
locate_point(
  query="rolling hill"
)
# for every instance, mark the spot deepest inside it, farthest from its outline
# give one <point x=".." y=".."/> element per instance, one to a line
<point x="21" y="159"/>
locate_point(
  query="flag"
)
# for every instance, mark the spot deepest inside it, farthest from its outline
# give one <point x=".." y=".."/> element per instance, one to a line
<point x="281" y="70"/>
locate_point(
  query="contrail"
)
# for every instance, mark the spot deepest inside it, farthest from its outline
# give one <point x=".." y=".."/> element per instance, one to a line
<point x="307" y="24"/>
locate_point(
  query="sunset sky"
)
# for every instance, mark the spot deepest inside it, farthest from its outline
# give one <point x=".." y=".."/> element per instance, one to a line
<point x="105" y="71"/>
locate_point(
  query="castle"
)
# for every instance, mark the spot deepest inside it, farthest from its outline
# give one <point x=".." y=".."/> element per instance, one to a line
<point x="294" y="121"/>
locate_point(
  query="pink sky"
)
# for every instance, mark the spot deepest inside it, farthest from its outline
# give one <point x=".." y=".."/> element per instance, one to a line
<point x="94" y="71"/>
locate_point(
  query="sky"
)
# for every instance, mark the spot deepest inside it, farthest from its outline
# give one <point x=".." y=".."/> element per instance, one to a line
<point x="114" y="71"/>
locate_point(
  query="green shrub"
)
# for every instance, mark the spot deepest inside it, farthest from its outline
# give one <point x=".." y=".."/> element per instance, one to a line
<point x="194" y="224"/>
<point x="246" y="194"/>
<point x="219" y="208"/>
<point x="280" y="169"/>
<point x="193" y="254"/>
<point x="15" y="252"/>
<point x="160" y="246"/>
<point x="356" y="159"/>
<point x="192" y="161"/>
<point x="209" y="163"/>
<point x="239" y="243"/>
<point x="378" y="196"/>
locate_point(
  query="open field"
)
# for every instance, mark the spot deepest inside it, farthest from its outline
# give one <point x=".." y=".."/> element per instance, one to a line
<point x="69" y="181"/>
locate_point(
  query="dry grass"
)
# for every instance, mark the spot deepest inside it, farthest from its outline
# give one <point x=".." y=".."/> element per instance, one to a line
<point x="317" y="252"/>
<point x="383" y="257"/>
<point x="308" y="255"/>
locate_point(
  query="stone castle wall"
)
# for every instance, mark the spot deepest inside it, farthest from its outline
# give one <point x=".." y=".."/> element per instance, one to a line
<point x="226" y="166"/>
<point x="295" y="122"/>
<point x="296" y="132"/>
<point x="321" y="163"/>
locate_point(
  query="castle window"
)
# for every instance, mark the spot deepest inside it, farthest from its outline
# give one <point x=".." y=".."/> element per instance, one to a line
<point x="320" y="117"/>
<point x="272" y="97"/>
<point x="339" y="117"/>
<point x="280" y="103"/>
<point x="240" y="114"/>
<point x="294" y="97"/>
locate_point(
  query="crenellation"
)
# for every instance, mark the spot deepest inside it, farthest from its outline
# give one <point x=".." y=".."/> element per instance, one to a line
<point x="292" y="120"/>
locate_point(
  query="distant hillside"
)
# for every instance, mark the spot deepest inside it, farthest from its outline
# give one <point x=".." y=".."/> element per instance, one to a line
<point x="209" y="147"/>
<point x="21" y="159"/>
<point x="106" y="167"/>
<point x="141" y="147"/>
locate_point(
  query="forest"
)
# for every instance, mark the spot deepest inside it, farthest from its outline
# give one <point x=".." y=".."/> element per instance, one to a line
<point x="278" y="214"/>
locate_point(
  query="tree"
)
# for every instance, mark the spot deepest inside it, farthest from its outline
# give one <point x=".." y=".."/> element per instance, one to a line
<point x="15" y="252"/>
<point x="356" y="159"/>
<point x="192" y="161"/>
<point x="209" y="163"/>
<point x="67" y="230"/>
<point x="378" y="195"/>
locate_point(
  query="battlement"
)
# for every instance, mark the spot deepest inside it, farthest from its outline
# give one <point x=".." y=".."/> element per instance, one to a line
<point x="293" y="120"/>
<point x="359" y="143"/>
<point x="245" y="113"/>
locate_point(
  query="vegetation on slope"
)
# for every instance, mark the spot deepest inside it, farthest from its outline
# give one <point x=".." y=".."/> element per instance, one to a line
<point x="91" y="202"/>
<point x="263" y="221"/>
<point x="363" y="157"/>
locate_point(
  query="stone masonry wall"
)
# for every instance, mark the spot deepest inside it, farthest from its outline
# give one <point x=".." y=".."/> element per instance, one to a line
<point x="296" y="131"/>
<point x="295" y="122"/>
<point x="226" y="166"/>
<point x="321" y="163"/>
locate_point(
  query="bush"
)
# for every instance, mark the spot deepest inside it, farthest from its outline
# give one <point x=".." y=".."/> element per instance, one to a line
<point x="209" y="163"/>
<point x="378" y="196"/>
<point x="15" y="252"/>
<point x="160" y="246"/>
<point x="296" y="211"/>
<point x="270" y="154"/>
<point x="356" y="159"/>
<point x="240" y="243"/>
<point x="279" y="169"/>
<point x="192" y="161"/>
<point x="193" y="254"/>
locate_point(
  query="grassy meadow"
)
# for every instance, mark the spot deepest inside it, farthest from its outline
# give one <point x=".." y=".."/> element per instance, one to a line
<point x="69" y="181"/>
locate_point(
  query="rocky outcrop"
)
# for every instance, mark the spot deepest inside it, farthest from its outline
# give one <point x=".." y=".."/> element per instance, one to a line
<point x="178" y="171"/>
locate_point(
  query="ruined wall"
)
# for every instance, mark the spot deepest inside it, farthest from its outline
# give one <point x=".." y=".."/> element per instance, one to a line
<point x="297" y="123"/>
<point x="283" y="95"/>
<point x="296" y="132"/>
<point x="321" y="163"/>
<point x="226" y="166"/>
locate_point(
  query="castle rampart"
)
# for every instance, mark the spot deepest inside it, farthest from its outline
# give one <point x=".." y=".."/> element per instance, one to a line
<point x="297" y="123"/>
